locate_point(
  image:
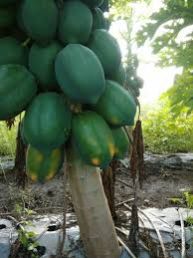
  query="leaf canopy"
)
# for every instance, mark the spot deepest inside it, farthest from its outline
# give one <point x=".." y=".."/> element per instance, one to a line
<point x="170" y="32"/>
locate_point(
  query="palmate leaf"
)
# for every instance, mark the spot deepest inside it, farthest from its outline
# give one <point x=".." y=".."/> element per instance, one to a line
<point x="176" y="55"/>
<point x="174" y="11"/>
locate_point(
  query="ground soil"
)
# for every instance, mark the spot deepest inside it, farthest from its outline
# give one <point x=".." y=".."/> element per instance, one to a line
<point x="160" y="186"/>
<point x="157" y="191"/>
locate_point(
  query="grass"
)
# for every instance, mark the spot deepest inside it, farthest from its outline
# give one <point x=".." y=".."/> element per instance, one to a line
<point x="8" y="139"/>
<point x="166" y="133"/>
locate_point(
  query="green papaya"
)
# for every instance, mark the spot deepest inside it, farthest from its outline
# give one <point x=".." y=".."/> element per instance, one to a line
<point x="75" y="23"/>
<point x="41" y="64"/>
<point x="40" y="19"/>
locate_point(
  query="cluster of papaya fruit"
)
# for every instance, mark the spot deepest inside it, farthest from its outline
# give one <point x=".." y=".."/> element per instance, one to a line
<point x="60" y="65"/>
<point x="133" y="82"/>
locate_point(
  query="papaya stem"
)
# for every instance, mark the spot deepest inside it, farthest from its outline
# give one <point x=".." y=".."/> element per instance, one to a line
<point x="26" y="42"/>
<point x="91" y="207"/>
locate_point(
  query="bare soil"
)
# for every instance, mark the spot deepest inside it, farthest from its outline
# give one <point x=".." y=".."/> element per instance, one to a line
<point x="160" y="186"/>
<point x="157" y="191"/>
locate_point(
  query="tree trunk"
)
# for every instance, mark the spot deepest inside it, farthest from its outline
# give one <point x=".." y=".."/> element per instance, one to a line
<point x="108" y="179"/>
<point x="20" y="156"/>
<point x="90" y="204"/>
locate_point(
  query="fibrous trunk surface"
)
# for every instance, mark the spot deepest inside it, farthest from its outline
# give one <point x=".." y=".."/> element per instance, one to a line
<point x="91" y="207"/>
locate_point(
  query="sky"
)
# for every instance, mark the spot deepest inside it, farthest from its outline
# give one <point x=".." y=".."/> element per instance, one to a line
<point x="156" y="79"/>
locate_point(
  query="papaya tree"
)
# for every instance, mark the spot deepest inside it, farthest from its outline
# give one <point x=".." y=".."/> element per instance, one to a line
<point x="62" y="76"/>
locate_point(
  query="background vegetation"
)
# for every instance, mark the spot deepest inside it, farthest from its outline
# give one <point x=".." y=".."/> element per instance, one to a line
<point x="170" y="32"/>
<point x="164" y="132"/>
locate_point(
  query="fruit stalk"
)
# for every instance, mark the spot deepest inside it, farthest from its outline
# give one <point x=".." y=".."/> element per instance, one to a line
<point x="90" y="204"/>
